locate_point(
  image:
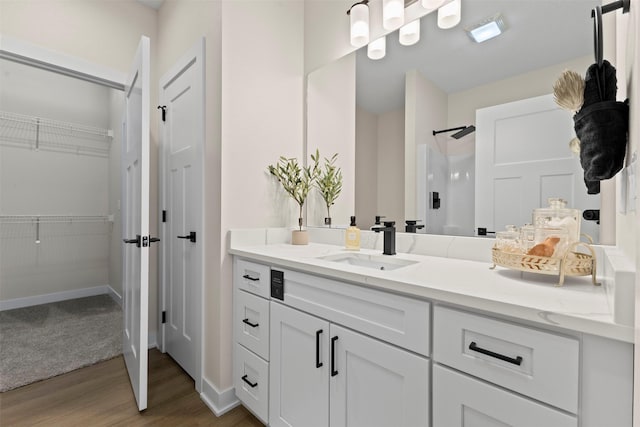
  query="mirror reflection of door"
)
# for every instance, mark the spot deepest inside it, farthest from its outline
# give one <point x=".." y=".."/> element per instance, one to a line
<point x="522" y="159"/>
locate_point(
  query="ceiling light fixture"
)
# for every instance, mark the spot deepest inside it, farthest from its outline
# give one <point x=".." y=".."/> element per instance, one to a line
<point x="487" y="29"/>
<point x="392" y="14"/>
<point x="359" y="19"/>
<point x="410" y="33"/>
<point x="377" y="48"/>
<point x="449" y="15"/>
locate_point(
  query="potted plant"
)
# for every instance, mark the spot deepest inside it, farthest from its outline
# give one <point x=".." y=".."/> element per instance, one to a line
<point x="296" y="182"/>
<point x="328" y="182"/>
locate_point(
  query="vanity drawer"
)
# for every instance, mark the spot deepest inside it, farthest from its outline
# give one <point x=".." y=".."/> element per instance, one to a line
<point x="253" y="277"/>
<point x="251" y="320"/>
<point x="388" y="317"/>
<point x="539" y="364"/>
<point x="251" y="381"/>
<point x="460" y="400"/>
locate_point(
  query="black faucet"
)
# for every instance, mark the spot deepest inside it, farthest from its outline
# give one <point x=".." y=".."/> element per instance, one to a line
<point x="411" y="225"/>
<point x="389" y="230"/>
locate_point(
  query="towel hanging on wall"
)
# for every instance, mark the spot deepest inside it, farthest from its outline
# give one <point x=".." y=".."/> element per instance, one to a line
<point x="602" y="124"/>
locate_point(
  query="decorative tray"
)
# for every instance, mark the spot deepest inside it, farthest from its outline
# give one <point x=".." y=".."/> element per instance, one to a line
<point x="570" y="264"/>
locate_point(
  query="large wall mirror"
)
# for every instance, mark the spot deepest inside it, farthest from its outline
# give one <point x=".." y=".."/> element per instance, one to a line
<point x="404" y="172"/>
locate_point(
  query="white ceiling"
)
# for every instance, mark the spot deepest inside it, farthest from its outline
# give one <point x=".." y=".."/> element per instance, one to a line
<point x="539" y="33"/>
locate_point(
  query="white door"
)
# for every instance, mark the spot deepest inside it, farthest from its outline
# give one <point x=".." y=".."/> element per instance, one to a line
<point x="135" y="222"/>
<point x="522" y="159"/>
<point x="376" y="384"/>
<point x="182" y="97"/>
<point x="299" y="369"/>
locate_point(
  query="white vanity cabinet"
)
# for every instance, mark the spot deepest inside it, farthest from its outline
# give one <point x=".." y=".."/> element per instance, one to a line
<point x="314" y="351"/>
<point x="492" y="372"/>
<point x="251" y="336"/>
<point x="322" y="374"/>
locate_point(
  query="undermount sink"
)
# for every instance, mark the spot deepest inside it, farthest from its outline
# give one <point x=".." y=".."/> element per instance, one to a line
<point x="376" y="262"/>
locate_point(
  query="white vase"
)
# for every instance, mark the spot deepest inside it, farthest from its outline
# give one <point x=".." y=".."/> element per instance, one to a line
<point x="299" y="237"/>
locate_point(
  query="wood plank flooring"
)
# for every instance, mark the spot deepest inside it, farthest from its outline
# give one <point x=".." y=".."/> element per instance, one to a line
<point x="100" y="395"/>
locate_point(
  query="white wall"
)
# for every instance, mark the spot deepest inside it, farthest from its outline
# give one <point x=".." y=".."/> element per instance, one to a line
<point x="331" y="98"/>
<point x="262" y="119"/>
<point x="426" y="111"/>
<point x="390" y="183"/>
<point x="629" y="222"/>
<point x="49" y="181"/>
<point x="366" y="180"/>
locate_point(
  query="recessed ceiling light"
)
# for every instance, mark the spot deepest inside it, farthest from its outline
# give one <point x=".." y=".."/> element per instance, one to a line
<point x="487" y="29"/>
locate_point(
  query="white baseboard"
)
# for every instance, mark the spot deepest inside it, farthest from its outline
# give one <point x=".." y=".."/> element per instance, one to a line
<point x="54" y="297"/>
<point x="218" y="402"/>
<point x="115" y="296"/>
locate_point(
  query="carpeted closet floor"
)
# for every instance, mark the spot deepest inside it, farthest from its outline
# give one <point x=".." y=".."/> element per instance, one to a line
<point x="46" y="340"/>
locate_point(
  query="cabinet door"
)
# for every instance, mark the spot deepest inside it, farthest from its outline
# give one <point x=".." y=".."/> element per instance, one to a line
<point x="463" y="401"/>
<point x="299" y="375"/>
<point x="376" y="384"/>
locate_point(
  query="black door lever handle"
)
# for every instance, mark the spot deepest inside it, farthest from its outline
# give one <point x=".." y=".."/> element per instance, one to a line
<point x="191" y="236"/>
<point x="132" y="241"/>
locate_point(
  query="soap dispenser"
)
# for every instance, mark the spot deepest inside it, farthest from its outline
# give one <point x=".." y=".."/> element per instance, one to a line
<point x="352" y="236"/>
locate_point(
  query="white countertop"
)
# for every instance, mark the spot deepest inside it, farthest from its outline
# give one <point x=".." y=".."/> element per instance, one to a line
<point x="577" y="305"/>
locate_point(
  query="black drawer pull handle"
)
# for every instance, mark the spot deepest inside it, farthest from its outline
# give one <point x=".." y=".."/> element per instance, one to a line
<point x="253" y="325"/>
<point x="318" y="362"/>
<point x="516" y="361"/>
<point x="253" y="279"/>
<point x="252" y="385"/>
<point x="334" y="372"/>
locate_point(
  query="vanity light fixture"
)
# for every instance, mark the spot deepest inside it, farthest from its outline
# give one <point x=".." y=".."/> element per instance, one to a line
<point x="487" y="29"/>
<point x="449" y="15"/>
<point x="432" y="4"/>
<point x="392" y="14"/>
<point x="359" y="19"/>
<point x="410" y="33"/>
<point x="377" y="48"/>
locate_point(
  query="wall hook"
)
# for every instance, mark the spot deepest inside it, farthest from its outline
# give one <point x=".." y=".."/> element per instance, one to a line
<point x="596" y="14"/>
<point x="164" y="112"/>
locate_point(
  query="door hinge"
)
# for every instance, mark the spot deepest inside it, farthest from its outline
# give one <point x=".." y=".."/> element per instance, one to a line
<point x="164" y="317"/>
<point x="164" y="215"/>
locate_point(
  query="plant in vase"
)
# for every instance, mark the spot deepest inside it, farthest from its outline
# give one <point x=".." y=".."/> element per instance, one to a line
<point x="296" y="182"/>
<point x="328" y="182"/>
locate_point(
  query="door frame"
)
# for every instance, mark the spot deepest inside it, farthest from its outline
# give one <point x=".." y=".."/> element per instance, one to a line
<point x="196" y="51"/>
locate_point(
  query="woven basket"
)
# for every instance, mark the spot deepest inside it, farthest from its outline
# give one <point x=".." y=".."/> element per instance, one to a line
<point x="570" y="264"/>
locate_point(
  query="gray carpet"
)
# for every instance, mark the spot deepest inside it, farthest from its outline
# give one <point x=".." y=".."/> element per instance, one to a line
<point x="46" y="340"/>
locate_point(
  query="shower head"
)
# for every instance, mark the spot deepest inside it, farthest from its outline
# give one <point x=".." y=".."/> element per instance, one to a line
<point x="462" y="131"/>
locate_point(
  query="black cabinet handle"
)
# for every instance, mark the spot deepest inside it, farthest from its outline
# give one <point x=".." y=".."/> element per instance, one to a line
<point x="252" y="385"/>
<point x="253" y="325"/>
<point x="334" y="372"/>
<point x="253" y="279"/>
<point x="517" y="361"/>
<point x="191" y="236"/>
<point x="318" y="362"/>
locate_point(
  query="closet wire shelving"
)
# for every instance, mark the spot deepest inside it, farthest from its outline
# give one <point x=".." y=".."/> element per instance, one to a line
<point x="37" y="221"/>
<point x="42" y="134"/>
